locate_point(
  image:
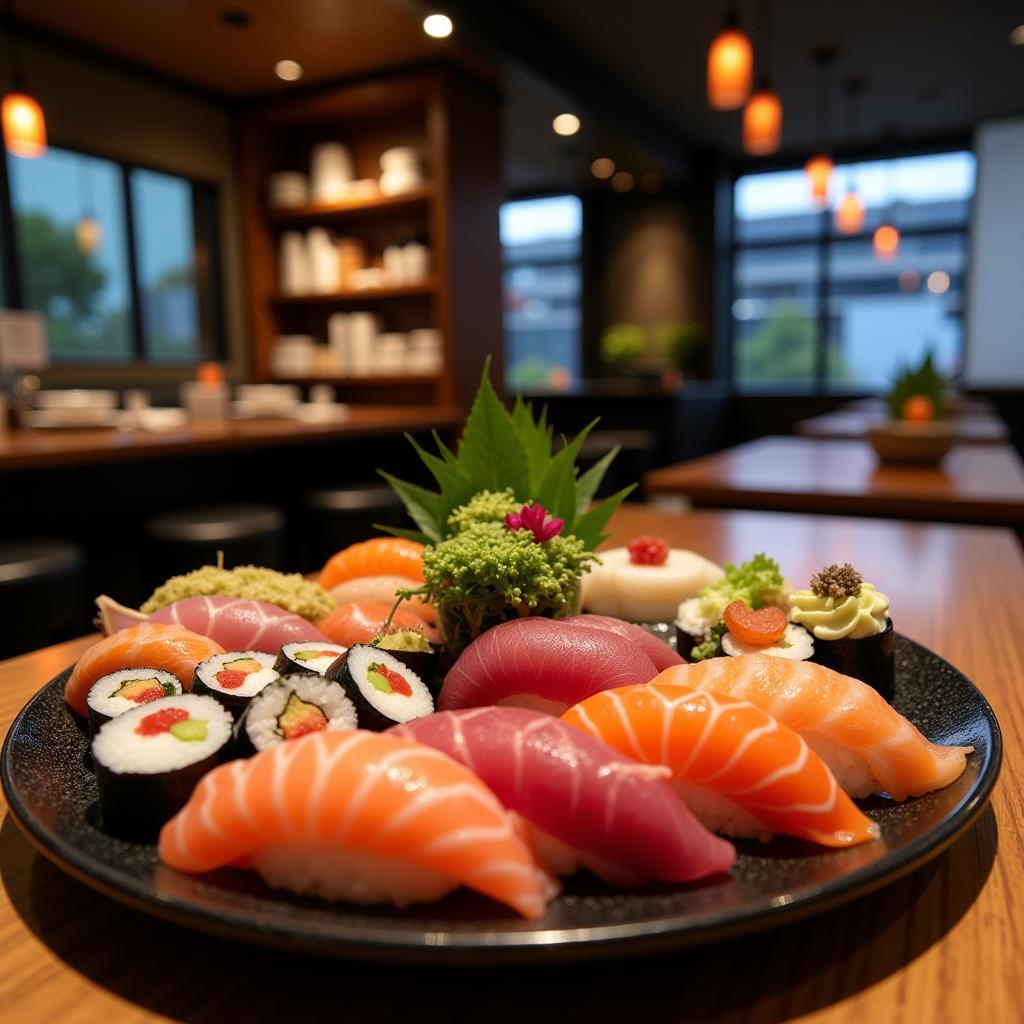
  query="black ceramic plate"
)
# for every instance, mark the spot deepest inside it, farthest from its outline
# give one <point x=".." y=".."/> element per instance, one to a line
<point x="52" y="795"/>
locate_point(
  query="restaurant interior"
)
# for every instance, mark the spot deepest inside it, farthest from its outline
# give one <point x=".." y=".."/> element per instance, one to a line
<point x="761" y="263"/>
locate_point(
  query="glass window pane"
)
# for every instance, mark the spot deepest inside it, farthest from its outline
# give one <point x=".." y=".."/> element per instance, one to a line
<point x="775" y="206"/>
<point x="165" y="261"/>
<point x="775" y="318"/>
<point x="882" y="314"/>
<point x="73" y="254"/>
<point x="541" y="240"/>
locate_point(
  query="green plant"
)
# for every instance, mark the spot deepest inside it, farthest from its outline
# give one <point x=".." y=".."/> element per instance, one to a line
<point x="677" y="343"/>
<point x="622" y="343"/>
<point x="923" y="380"/>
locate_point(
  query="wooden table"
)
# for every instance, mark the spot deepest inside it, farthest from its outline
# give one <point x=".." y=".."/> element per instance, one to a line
<point x="37" y="449"/>
<point x="942" y="944"/>
<point x="853" y="424"/>
<point x="972" y="484"/>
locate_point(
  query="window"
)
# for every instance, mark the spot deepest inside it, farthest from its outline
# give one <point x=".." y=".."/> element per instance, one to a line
<point x="541" y="242"/>
<point x="118" y="259"/>
<point x="814" y="310"/>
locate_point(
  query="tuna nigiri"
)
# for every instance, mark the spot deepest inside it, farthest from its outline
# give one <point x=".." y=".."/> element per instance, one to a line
<point x="657" y="650"/>
<point x="870" y="747"/>
<point x="149" y="645"/>
<point x="736" y="767"/>
<point x="616" y="818"/>
<point x="351" y="624"/>
<point x="383" y="588"/>
<point x="381" y="556"/>
<point x="542" y="664"/>
<point x="236" y="623"/>
<point x="356" y="816"/>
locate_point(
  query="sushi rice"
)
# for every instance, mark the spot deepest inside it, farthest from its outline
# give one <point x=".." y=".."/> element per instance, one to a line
<point x="796" y="645"/>
<point x="114" y="694"/>
<point x="245" y="680"/>
<point x="311" y="657"/>
<point x="310" y="702"/>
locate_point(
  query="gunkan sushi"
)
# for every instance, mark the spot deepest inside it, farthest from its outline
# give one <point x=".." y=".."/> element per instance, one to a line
<point x="291" y="707"/>
<point x="118" y="692"/>
<point x="149" y="759"/>
<point x="310" y="658"/>
<point x="234" y="678"/>
<point x="383" y="689"/>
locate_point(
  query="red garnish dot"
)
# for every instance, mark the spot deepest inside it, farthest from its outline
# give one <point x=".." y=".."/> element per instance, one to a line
<point x="399" y="684"/>
<point x="147" y="695"/>
<point x="647" y="550"/>
<point x="761" y="628"/>
<point x="161" y="721"/>
<point x="230" y="678"/>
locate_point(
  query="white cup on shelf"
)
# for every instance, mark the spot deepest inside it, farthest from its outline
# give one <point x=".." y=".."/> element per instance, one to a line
<point x="293" y="355"/>
<point x="363" y="330"/>
<point x="331" y="172"/>
<point x="391" y="354"/>
<point x="324" y="262"/>
<point x="394" y="265"/>
<point x="415" y="262"/>
<point x="426" y="353"/>
<point x="295" y="273"/>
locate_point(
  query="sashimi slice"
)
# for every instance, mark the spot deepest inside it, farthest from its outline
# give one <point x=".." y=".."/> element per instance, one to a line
<point x="736" y="767"/>
<point x="149" y="645"/>
<point x="351" y="624"/>
<point x="358" y="816"/>
<point x="618" y="819"/>
<point x="657" y="650"/>
<point x="543" y="664"/>
<point x="376" y="557"/>
<point x="236" y="623"/>
<point x="383" y="588"/>
<point x="868" y="744"/>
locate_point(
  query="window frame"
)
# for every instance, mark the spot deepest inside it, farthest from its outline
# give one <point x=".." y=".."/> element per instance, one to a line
<point x="727" y="248"/>
<point x="206" y="230"/>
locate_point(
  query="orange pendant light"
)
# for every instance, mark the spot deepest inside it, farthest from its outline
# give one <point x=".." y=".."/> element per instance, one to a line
<point x="23" y="124"/>
<point x="730" y="67"/>
<point x="762" y="123"/>
<point x="88" y="234"/>
<point x="886" y="242"/>
<point x="850" y="214"/>
<point x="819" y="172"/>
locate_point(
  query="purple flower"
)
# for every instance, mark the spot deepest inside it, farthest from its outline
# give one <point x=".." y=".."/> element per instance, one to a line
<point x="531" y="517"/>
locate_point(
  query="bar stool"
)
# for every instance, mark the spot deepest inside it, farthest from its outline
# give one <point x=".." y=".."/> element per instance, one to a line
<point x="41" y="599"/>
<point x="339" y="516"/>
<point x="178" y="542"/>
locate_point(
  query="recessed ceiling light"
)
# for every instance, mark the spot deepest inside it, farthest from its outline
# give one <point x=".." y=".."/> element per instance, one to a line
<point x="1017" y="36"/>
<point x="289" y="70"/>
<point x="566" y="124"/>
<point x="622" y="181"/>
<point x="938" y="282"/>
<point x="602" y="167"/>
<point x="438" y="25"/>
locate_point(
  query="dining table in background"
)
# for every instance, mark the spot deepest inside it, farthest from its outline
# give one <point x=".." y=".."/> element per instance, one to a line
<point x="982" y="484"/>
<point x="853" y="424"/>
<point x="939" y="944"/>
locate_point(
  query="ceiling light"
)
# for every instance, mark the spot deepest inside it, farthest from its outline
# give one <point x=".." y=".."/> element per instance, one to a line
<point x="622" y="181"/>
<point x="439" y="26"/>
<point x="602" y="167"/>
<point x="938" y="282"/>
<point x="762" y="123"/>
<point x="289" y="70"/>
<point x="1017" y="36"/>
<point x="730" y="67"/>
<point x="819" y="172"/>
<point x="886" y="242"/>
<point x="566" y="124"/>
<point x="850" y="214"/>
<point x="24" y="125"/>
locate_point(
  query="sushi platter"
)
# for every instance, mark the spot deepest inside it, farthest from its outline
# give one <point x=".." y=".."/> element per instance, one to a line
<point x="496" y="738"/>
<point x="52" y="794"/>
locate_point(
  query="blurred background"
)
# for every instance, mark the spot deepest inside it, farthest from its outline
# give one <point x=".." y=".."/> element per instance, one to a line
<point x="245" y="245"/>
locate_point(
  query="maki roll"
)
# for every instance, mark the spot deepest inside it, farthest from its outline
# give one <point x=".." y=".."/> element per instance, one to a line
<point x="410" y="647"/>
<point x="149" y="759"/>
<point x="292" y="707"/>
<point x="310" y="658"/>
<point x="234" y="678"/>
<point x="849" y="620"/>
<point x="384" y="690"/>
<point x="765" y="631"/>
<point x="118" y="692"/>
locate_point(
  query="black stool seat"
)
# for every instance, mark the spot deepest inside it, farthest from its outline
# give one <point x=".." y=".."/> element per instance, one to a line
<point x="338" y="516"/>
<point x="178" y="542"/>
<point x="41" y="599"/>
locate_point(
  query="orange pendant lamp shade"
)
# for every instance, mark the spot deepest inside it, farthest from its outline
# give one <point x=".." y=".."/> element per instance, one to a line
<point x="88" y="234"/>
<point x="819" y="172"/>
<point x="762" y="123"/>
<point x="730" y="69"/>
<point x="24" y="125"/>
<point x="886" y="242"/>
<point x="850" y="214"/>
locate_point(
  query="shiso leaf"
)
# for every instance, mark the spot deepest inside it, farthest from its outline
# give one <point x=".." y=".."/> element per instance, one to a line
<point x="557" y="490"/>
<point x="536" y="437"/>
<point x="587" y="485"/>
<point x="450" y="476"/>
<point x="589" y="527"/>
<point x="422" y="505"/>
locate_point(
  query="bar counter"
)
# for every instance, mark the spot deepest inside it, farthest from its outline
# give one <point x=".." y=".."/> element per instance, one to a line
<point x="939" y="944"/>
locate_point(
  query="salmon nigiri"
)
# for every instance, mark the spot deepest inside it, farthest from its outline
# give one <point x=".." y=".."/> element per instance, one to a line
<point x="149" y="645"/>
<point x="734" y="765"/>
<point x="868" y="744"/>
<point x="381" y="556"/>
<point x="360" y="622"/>
<point x="356" y="816"/>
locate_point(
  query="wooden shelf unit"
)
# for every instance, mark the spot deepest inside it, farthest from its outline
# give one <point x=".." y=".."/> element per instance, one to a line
<point x="454" y="119"/>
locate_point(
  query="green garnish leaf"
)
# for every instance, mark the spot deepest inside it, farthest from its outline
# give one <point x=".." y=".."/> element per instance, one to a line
<point x="754" y="583"/>
<point x="589" y="527"/>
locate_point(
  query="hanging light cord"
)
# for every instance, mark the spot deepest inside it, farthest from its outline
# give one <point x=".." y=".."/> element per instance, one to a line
<point x="17" y="76"/>
<point x="764" y="35"/>
<point x="823" y="100"/>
